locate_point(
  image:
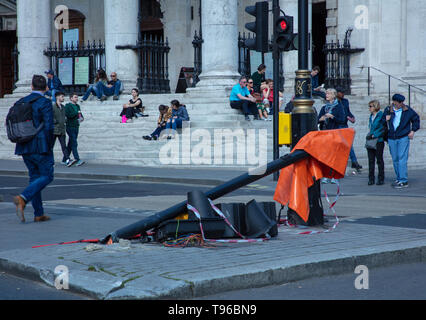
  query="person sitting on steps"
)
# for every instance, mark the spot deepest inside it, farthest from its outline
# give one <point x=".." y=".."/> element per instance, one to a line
<point x="179" y="114"/>
<point x="165" y="115"/>
<point x="112" y="87"/>
<point x="96" y="88"/>
<point x="130" y="109"/>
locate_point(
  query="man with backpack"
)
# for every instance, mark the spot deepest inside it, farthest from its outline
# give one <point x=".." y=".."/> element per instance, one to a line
<point x="37" y="153"/>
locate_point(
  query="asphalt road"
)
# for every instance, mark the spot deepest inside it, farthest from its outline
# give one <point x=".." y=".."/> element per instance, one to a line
<point x="398" y="282"/>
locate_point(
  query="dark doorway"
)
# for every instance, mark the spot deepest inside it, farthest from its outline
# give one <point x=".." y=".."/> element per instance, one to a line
<point x="7" y="62"/>
<point x="150" y="16"/>
<point x="319" y="33"/>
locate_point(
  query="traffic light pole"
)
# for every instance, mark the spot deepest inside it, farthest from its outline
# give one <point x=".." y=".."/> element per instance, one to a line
<point x="276" y="75"/>
<point x="304" y="118"/>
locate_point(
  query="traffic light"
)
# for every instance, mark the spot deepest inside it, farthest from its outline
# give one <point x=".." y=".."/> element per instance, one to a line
<point x="284" y="34"/>
<point x="260" y="42"/>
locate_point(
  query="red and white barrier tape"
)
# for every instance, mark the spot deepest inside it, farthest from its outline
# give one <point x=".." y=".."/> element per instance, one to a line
<point x="330" y="207"/>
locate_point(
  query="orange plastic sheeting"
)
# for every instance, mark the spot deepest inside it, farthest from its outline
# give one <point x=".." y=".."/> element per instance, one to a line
<point x="329" y="150"/>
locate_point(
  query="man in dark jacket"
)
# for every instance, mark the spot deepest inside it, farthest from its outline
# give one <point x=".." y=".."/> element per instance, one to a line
<point x="348" y="117"/>
<point x="73" y="114"/>
<point x="37" y="153"/>
<point x="402" y="122"/>
<point x="54" y="84"/>
<point x="59" y="125"/>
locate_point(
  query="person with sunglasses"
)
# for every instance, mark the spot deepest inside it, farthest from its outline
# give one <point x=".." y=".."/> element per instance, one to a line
<point x="241" y="99"/>
<point x="113" y="88"/>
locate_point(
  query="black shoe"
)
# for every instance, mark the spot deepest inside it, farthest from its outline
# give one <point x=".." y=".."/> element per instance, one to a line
<point x="155" y="138"/>
<point x="401" y="185"/>
<point x="371" y="182"/>
<point x="115" y="98"/>
<point x="380" y="182"/>
<point x="147" y="137"/>
<point x="356" y="165"/>
<point x="247" y="118"/>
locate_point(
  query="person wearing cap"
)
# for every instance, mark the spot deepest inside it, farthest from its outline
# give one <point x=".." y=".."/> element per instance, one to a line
<point x="53" y="83"/>
<point x="402" y="122"/>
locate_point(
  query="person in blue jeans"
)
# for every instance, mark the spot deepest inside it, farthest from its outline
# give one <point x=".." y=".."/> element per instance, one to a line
<point x="37" y="153"/>
<point x="402" y="122"/>
<point x="96" y="89"/>
<point x="54" y="85"/>
<point x="179" y="114"/>
<point x="349" y="117"/>
<point x="73" y="114"/>
<point x="112" y="88"/>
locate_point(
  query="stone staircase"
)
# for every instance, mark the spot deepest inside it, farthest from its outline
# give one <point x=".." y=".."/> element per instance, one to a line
<point x="218" y="136"/>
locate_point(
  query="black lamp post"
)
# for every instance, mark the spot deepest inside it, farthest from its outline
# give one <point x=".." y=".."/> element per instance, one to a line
<point x="304" y="118"/>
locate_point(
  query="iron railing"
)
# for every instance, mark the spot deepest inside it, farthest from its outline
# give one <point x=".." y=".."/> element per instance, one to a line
<point x="337" y="71"/>
<point x="153" y="64"/>
<point x="389" y="78"/>
<point x="76" y="63"/>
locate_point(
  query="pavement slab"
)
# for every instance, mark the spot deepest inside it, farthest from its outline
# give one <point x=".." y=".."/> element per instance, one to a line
<point x="153" y="271"/>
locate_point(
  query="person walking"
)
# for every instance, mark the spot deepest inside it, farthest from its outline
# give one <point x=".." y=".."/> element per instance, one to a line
<point x="73" y="114"/>
<point x="59" y="126"/>
<point x="37" y="153"/>
<point x="402" y="122"/>
<point x="376" y="131"/>
<point x="348" y="117"/>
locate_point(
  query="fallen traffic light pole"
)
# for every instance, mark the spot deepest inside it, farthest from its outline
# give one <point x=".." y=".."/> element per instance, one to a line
<point x="144" y="225"/>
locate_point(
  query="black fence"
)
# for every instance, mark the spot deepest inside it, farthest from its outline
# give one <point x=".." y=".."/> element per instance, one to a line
<point x="153" y="65"/>
<point x="338" y="69"/>
<point x="153" y="55"/>
<point x="76" y="64"/>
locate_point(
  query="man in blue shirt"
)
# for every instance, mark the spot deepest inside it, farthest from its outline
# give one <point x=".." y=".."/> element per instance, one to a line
<point x="402" y="122"/>
<point x="241" y="99"/>
<point x="37" y="153"/>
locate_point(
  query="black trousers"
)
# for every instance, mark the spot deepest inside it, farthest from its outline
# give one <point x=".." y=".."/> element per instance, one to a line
<point x="246" y="106"/>
<point x="373" y="156"/>
<point x="65" y="152"/>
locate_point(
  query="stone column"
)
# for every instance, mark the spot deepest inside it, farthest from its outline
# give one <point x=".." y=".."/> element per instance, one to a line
<point x="220" y="47"/>
<point x="121" y="28"/>
<point x="34" y="21"/>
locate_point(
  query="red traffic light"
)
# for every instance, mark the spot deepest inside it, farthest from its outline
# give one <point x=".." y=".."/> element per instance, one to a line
<point x="283" y="25"/>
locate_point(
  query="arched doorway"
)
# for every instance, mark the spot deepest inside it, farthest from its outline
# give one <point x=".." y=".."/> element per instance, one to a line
<point x="150" y="16"/>
<point x="75" y="31"/>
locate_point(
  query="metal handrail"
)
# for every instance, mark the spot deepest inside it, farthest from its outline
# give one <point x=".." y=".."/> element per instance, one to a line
<point x="389" y="82"/>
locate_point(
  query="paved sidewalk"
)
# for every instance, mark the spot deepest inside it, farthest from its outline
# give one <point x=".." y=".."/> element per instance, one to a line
<point x="151" y="271"/>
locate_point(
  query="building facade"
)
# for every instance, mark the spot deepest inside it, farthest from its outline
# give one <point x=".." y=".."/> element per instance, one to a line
<point x="392" y="34"/>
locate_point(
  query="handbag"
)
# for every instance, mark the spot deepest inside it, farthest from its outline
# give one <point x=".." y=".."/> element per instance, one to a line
<point x="371" y="143"/>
